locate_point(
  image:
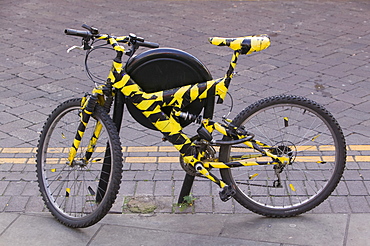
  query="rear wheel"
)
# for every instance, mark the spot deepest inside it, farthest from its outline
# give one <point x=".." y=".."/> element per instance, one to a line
<point x="78" y="194"/>
<point x="297" y="128"/>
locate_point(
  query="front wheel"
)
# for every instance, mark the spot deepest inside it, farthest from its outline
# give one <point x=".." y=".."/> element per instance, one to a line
<point x="81" y="193"/>
<point x="297" y="128"/>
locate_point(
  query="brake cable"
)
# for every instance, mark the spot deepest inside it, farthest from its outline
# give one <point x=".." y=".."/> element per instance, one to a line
<point x="94" y="78"/>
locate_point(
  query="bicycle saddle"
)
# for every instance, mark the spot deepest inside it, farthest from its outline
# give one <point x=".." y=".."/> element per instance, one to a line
<point x="246" y="45"/>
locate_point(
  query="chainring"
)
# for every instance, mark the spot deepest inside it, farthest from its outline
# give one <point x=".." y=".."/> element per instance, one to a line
<point x="210" y="154"/>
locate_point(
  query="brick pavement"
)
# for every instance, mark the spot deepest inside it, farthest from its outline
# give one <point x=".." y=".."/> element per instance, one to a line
<point x="320" y="49"/>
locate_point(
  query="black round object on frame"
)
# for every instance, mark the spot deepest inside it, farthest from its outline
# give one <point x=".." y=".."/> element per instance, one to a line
<point x="164" y="69"/>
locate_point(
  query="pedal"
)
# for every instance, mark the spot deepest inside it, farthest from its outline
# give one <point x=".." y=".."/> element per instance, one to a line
<point x="226" y="193"/>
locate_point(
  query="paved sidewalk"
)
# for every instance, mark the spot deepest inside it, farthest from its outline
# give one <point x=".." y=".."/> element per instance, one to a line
<point x="319" y="49"/>
<point x="180" y="229"/>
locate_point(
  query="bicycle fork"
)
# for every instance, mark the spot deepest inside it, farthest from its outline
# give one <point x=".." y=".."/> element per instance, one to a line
<point x="88" y="106"/>
<point x="86" y="113"/>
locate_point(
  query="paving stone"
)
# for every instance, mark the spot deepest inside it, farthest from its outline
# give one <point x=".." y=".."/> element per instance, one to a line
<point x="7" y="117"/>
<point x="163" y="175"/>
<point x="163" y="188"/>
<point x="144" y="175"/>
<point x="22" y="109"/>
<point x="127" y="188"/>
<point x="203" y="204"/>
<point x="31" y="189"/>
<point x="14" y="188"/>
<point x="17" y="204"/>
<point x="35" y="204"/>
<point x="25" y="134"/>
<point x="359" y="204"/>
<point x="3" y="186"/>
<point x="324" y="208"/>
<point x="202" y="188"/>
<point x="144" y="188"/>
<point x="21" y="124"/>
<point x="339" y="204"/>
<point x="4" y="202"/>
<point x="223" y="207"/>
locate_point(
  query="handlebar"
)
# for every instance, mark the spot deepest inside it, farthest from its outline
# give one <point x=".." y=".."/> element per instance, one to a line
<point x="84" y="34"/>
<point x="94" y="33"/>
<point x="148" y="44"/>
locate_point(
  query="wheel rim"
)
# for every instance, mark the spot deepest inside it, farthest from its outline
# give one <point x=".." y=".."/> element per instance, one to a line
<point x="312" y="169"/>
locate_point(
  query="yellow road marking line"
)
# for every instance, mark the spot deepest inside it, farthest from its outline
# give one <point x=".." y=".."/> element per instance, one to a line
<point x="142" y="149"/>
<point x="359" y="147"/>
<point x="13" y="160"/>
<point x="18" y="150"/>
<point x="167" y="159"/>
<point x="147" y="159"/>
<point x="165" y="149"/>
<point x="365" y="147"/>
<point x="363" y="158"/>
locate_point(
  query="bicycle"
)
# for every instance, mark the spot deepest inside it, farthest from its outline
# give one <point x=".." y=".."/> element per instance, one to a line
<point x="279" y="157"/>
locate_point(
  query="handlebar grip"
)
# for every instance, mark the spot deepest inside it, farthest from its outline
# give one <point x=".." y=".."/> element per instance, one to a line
<point x="148" y="44"/>
<point x="84" y="34"/>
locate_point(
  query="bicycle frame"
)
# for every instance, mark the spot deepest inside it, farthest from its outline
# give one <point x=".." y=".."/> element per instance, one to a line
<point x="150" y="105"/>
<point x="281" y="156"/>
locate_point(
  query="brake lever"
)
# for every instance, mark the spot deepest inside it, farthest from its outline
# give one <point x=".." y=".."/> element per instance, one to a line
<point x="93" y="30"/>
<point x="75" y="47"/>
<point x="85" y="46"/>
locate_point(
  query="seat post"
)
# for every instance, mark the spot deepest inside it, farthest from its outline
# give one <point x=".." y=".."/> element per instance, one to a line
<point x="230" y="71"/>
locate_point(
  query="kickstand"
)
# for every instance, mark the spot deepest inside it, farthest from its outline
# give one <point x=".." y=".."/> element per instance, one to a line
<point x="186" y="187"/>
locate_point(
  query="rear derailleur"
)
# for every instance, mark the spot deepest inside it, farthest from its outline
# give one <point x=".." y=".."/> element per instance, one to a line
<point x="278" y="169"/>
<point x="287" y="149"/>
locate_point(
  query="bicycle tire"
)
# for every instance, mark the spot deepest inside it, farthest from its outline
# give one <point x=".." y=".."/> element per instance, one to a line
<point x="73" y="193"/>
<point x="310" y="136"/>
